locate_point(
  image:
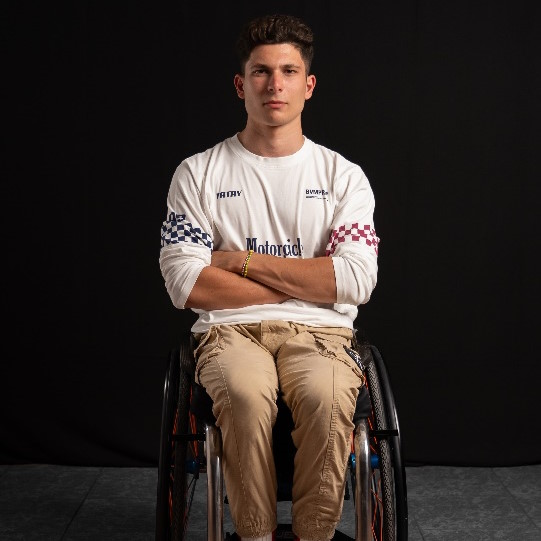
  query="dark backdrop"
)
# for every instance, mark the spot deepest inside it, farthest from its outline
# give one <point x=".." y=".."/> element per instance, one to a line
<point x="437" y="101"/>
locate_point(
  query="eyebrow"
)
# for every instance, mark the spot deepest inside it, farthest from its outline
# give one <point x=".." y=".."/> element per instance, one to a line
<point x="283" y="66"/>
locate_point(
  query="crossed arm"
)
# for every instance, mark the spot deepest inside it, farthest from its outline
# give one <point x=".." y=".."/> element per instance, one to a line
<point x="270" y="280"/>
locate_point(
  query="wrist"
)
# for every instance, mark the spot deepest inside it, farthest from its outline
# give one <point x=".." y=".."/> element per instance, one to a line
<point x="246" y="263"/>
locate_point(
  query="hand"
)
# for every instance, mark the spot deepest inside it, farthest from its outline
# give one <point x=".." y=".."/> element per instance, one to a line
<point x="229" y="261"/>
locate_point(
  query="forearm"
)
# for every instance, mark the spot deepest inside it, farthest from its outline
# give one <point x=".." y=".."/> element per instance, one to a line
<point x="311" y="280"/>
<point x="218" y="289"/>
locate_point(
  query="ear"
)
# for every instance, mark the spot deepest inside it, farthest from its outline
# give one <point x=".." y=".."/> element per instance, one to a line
<point x="238" y="81"/>
<point x="310" y="85"/>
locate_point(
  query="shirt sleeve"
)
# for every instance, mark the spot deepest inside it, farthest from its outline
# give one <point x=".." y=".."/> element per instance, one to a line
<point x="353" y="244"/>
<point x="186" y="236"/>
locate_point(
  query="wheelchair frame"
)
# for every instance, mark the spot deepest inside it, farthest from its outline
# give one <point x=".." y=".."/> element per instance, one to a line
<point x="191" y="444"/>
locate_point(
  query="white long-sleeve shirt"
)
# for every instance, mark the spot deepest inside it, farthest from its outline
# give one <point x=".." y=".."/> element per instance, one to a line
<point x="312" y="203"/>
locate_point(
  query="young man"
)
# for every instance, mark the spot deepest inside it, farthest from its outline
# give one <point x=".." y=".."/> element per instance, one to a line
<point x="270" y="239"/>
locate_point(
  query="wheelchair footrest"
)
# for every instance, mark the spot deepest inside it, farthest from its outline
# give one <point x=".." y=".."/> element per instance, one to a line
<point x="285" y="533"/>
<point x="339" y="536"/>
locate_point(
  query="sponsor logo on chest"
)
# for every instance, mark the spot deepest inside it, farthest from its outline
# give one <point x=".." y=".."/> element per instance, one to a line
<point x="288" y="249"/>
<point x="315" y="193"/>
<point x="230" y="193"/>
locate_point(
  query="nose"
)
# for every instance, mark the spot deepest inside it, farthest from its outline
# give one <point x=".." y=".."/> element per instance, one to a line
<point x="275" y="83"/>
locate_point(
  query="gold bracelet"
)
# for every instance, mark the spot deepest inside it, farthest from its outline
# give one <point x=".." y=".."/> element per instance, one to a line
<point x="244" y="270"/>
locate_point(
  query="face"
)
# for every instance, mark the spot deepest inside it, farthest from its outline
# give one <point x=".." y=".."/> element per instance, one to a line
<point x="275" y="85"/>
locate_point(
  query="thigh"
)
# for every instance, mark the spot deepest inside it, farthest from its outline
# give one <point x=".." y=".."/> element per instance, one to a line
<point x="314" y="369"/>
<point x="236" y="371"/>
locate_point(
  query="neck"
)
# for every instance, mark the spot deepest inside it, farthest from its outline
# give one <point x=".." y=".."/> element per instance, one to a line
<point x="270" y="141"/>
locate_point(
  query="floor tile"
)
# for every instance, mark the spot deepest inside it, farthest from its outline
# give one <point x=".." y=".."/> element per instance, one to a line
<point x="444" y="499"/>
<point x="62" y="503"/>
<point x="36" y="480"/>
<point x="112" y="519"/>
<point x="524" y="483"/>
<point x="436" y="479"/>
<point x="37" y="502"/>
<point x="124" y="499"/>
<point x="126" y="483"/>
<point x="469" y="535"/>
<point x="414" y="533"/>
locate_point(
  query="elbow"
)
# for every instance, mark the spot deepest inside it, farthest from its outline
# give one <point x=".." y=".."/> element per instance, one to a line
<point x="355" y="281"/>
<point x="180" y="279"/>
<point x="365" y="290"/>
<point x="176" y="293"/>
<point x="358" y="291"/>
<point x="183" y="292"/>
<point x="178" y="302"/>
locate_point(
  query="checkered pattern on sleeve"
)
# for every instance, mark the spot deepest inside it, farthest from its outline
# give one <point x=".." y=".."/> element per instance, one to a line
<point x="176" y="229"/>
<point x="352" y="233"/>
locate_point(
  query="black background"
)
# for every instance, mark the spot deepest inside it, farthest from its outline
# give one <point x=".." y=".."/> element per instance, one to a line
<point x="437" y="101"/>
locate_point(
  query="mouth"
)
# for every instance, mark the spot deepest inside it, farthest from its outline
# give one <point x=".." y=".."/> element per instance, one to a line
<point x="274" y="104"/>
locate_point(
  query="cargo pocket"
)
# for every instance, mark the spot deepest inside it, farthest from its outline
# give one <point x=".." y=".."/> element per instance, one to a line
<point x="333" y="346"/>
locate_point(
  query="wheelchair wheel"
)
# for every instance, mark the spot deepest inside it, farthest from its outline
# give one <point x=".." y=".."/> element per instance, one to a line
<point x="184" y="478"/>
<point x="388" y="486"/>
<point x="395" y="444"/>
<point x="167" y="448"/>
<point x="178" y="469"/>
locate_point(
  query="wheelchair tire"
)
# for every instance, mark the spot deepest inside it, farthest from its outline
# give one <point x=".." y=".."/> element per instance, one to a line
<point x="167" y="448"/>
<point x="383" y="521"/>
<point x="183" y="482"/>
<point x="389" y="504"/>
<point x="399" y="470"/>
<point x="178" y="468"/>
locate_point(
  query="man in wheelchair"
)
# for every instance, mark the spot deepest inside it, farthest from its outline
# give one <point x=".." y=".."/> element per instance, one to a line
<point x="270" y="240"/>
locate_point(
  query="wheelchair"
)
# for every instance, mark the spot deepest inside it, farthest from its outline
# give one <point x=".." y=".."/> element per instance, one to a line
<point x="191" y="444"/>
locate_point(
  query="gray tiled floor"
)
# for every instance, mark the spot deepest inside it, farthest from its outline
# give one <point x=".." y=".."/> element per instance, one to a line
<point x="53" y="503"/>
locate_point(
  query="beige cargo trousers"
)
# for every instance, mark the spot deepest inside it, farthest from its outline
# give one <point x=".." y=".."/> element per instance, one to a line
<point x="241" y="368"/>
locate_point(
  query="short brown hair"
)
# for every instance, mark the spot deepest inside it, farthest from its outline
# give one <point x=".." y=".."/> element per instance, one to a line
<point x="273" y="29"/>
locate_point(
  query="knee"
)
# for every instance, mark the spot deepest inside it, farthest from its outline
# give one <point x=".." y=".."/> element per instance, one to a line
<point x="314" y="396"/>
<point x="248" y="394"/>
<point x="323" y="396"/>
<point x="251" y="402"/>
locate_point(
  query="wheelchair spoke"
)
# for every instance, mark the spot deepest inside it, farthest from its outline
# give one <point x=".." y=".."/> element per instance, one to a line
<point x="191" y="491"/>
